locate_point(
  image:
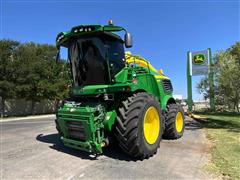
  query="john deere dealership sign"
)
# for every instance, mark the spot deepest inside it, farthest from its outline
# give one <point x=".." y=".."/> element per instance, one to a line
<point x="199" y="62"/>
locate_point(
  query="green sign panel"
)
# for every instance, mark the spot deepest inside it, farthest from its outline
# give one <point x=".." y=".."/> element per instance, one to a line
<point x="199" y="63"/>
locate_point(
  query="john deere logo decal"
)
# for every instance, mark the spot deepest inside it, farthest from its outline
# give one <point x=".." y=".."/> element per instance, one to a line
<point x="199" y="59"/>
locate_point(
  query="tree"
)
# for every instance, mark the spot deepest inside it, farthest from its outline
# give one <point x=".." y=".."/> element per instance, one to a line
<point x="235" y="51"/>
<point x="226" y="74"/>
<point x="228" y="79"/>
<point x="40" y="77"/>
<point x="203" y="87"/>
<point x="7" y="69"/>
<point x="29" y="71"/>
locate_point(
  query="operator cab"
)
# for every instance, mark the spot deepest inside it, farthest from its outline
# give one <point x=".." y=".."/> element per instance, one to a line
<point x="94" y="57"/>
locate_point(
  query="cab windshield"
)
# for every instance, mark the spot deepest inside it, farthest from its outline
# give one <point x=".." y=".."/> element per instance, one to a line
<point x="95" y="60"/>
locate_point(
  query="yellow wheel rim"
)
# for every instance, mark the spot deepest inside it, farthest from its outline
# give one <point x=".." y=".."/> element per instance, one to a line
<point x="151" y="125"/>
<point x="179" y="122"/>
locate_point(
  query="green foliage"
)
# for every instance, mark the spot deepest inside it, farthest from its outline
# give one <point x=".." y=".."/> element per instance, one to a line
<point x="203" y="87"/>
<point x="29" y="71"/>
<point x="40" y="77"/>
<point x="226" y="74"/>
<point x="228" y="78"/>
<point x="7" y="68"/>
<point x="235" y="51"/>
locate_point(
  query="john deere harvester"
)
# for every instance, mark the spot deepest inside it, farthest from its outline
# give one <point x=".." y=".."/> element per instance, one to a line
<point x="115" y="96"/>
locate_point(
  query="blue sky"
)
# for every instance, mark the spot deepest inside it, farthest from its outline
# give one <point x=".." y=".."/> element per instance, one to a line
<point x="163" y="31"/>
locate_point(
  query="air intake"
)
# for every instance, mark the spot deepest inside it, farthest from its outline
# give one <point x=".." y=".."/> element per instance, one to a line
<point x="167" y="85"/>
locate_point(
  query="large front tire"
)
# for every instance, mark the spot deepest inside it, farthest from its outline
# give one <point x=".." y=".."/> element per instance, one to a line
<point x="139" y="125"/>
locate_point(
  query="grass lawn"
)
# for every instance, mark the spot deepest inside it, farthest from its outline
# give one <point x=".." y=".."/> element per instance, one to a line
<point x="224" y="131"/>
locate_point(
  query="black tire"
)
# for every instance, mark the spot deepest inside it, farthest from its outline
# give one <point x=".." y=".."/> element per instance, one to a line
<point x="170" y="131"/>
<point x="129" y="126"/>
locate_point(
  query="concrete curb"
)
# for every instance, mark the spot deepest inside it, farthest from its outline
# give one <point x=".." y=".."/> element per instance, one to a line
<point x="27" y="117"/>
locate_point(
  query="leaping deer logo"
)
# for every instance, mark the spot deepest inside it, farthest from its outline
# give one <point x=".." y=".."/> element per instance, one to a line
<point x="199" y="59"/>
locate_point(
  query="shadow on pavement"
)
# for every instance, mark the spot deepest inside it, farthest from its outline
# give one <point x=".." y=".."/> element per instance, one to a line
<point x="192" y="125"/>
<point x="112" y="151"/>
<point x="56" y="144"/>
<point x="211" y="123"/>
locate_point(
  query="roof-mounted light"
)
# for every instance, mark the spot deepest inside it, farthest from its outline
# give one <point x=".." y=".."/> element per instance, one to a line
<point x="60" y="37"/>
<point x="110" y="22"/>
<point x="83" y="29"/>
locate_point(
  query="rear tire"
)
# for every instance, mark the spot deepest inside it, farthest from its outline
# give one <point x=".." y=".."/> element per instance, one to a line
<point x="174" y="122"/>
<point x="139" y="125"/>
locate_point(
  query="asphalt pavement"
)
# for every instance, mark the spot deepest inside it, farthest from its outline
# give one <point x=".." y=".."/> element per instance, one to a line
<point x="31" y="149"/>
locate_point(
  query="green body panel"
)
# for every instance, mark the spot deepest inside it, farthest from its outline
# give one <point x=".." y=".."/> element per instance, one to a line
<point x="146" y="82"/>
<point x="89" y="119"/>
<point x="110" y="120"/>
<point x="94" y="120"/>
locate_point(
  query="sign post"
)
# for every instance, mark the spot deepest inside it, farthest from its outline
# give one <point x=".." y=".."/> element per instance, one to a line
<point x="200" y="63"/>
<point x="189" y="83"/>
<point x="211" y="81"/>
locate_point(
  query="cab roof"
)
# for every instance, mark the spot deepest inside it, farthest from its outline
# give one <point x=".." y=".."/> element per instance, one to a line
<point x="84" y="30"/>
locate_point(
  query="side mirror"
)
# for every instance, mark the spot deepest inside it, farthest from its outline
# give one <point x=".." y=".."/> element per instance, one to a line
<point x="128" y="40"/>
<point x="58" y="56"/>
